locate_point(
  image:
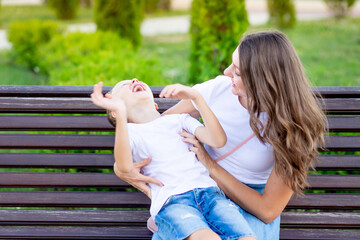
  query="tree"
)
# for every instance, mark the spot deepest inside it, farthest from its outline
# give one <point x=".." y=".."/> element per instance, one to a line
<point x="123" y="17"/>
<point x="216" y="28"/>
<point x="282" y="13"/>
<point x="65" y="9"/>
<point x="340" y="7"/>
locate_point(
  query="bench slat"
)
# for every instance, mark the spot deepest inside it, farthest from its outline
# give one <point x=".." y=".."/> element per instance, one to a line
<point x="328" y="220"/>
<point x="138" y="199"/>
<point x="68" y="141"/>
<point x="109" y="180"/>
<point x="85" y="91"/>
<point x="54" y="123"/>
<point x="139" y="217"/>
<point x="103" y="161"/>
<point x="84" y="105"/>
<point x="287" y="234"/>
<point x="100" y="123"/>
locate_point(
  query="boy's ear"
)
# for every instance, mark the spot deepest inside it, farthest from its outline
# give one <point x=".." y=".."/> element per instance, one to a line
<point x="113" y="114"/>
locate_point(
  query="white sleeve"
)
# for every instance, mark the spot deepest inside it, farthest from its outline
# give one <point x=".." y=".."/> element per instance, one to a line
<point x="206" y="89"/>
<point x="189" y="123"/>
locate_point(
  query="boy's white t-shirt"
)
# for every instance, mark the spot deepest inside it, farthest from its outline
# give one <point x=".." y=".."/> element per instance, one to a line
<point x="172" y="162"/>
<point x="253" y="162"/>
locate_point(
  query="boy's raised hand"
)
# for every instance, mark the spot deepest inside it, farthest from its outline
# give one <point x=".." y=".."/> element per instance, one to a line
<point x="179" y="91"/>
<point x="108" y="102"/>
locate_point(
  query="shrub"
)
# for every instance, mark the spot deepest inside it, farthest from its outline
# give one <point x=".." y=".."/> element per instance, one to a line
<point x="65" y="9"/>
<point x="282" y="13"/>
<point x="123" y="17"/>
<point x="216" y="27"/>
<point x="27" y="37"/>
<point x="86" y="58"/>
<point x="340" y="7"/>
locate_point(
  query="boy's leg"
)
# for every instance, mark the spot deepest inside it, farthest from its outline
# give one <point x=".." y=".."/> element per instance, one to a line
<point x="204" y="234"/>
<point x="224" y="216"/>
<point x="180" y="218"/>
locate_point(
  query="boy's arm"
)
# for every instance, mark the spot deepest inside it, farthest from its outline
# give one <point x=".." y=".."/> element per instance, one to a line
<point x="212" y="134"/>
<point x="122" y="149"/>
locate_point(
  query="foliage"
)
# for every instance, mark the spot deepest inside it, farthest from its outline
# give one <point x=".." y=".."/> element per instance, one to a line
<point x="155" y="5"/>
<point x="123" y="17"/>
<point x="216" y="27"/>
<point x="340" y="7"/>
<point x="27" y="37"/>
<point x="282" y="13"/>
<point x="86" y="58"/>
<point x="65" y="9"/>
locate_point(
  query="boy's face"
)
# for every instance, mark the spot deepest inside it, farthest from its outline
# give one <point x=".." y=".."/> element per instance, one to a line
<point x="132" y="92"/>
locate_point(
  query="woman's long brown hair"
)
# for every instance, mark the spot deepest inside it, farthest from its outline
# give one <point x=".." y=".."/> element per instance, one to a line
<point x="275" y="83"/>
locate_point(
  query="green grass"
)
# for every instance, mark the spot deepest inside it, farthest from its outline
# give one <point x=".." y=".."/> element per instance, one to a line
<point x="9" y="14"/>
<point x="329" y="50"/>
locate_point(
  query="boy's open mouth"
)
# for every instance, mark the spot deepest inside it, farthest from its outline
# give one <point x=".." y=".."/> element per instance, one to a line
<point x="138" y="87"/>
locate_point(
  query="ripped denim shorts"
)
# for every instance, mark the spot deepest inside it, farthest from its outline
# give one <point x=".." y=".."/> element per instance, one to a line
<point x="201" y="208"/>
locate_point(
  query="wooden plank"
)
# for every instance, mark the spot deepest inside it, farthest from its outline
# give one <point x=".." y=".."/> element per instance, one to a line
<point x="338" y="162"/>
<point x="341" y="105"/>
<point x="100" y="123"/>
<point x="53" y="141"/>
<point x="85" y="91"/>
<point x="328" y="220"/>
<point x="74" y="217"/>
<point x="73" y="141"/>
<point x="291" y="234"/>
<point x="109" y="180"/>
<point x="35" y="232"/>
<point x="56" y="160"/>
<point x="333" y="201"/>
<point x="74" y="199"/>
<point x="71" y="180"/>
<point x="83" y="160"/>
<point x="54" y="123"/>
<point x="62" y="105"/>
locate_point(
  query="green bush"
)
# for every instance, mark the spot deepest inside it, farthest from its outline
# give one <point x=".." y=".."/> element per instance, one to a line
<point x="65" y="9"/>
<point x="86" y="58"/>
<point x="27" y="37"/>
<point x="216" y="27"/>
<point x="340" y="7"/>
<point x="282" y="13"/>
<point x="123" y="17"/>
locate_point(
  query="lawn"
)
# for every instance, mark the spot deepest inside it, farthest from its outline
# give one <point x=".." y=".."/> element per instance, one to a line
<point x="329" y="50"/>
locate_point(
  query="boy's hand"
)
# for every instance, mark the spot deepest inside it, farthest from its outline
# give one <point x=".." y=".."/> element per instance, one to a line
<point x="108" y="102"/>
<point x="179" y="91"/>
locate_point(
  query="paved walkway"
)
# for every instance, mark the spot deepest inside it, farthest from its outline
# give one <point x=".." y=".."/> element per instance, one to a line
<point x="257" y="13"/>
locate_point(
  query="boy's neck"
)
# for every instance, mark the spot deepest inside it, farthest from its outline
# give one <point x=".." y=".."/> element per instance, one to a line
<point x="142" y="115"/>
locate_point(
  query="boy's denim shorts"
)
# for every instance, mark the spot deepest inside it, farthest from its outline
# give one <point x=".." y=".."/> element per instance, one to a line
<point x="201" y="208"/>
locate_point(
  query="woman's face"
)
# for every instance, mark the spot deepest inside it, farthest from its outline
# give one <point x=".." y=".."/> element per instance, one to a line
<point x="233" y="71"/>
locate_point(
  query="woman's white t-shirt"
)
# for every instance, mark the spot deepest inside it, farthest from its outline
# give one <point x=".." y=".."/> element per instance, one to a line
<point x="253" y="162"/>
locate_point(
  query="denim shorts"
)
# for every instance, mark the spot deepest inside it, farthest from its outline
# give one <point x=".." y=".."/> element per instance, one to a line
<point x="263" y="231"/>
<point x="200" y="208"/>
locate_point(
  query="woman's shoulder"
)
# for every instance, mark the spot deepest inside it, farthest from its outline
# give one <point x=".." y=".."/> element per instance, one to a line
<point x="217" y="84"/>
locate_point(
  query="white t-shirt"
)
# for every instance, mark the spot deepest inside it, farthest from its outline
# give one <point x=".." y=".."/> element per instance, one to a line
<point x="172" y="162"/>
<point x="253" y="162"/>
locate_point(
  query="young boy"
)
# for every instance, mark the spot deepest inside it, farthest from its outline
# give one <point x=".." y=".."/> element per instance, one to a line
<point x="189" y="203"/>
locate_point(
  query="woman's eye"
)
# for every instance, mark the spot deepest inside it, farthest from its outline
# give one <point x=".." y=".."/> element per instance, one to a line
<point x="237" y="74"/>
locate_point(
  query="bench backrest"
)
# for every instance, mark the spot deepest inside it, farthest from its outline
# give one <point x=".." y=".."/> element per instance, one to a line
<point x="56" y="155"/>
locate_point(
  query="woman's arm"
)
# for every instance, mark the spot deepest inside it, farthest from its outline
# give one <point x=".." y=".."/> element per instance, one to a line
<point x="184" y="106"/>
<point x="266" y="206"/>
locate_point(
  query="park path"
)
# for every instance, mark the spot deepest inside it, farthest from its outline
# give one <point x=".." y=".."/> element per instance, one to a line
<point x="257" y="14"/>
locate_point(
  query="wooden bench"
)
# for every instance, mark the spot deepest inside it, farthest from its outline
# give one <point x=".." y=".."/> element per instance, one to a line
<point x="57" y="182"/>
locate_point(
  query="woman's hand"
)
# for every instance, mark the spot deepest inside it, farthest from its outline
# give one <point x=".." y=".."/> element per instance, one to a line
<point x="108" y="102"/>
<point x="179" y="91"/>
<point x="198" y="148"/>
<point x="136" y="179"/>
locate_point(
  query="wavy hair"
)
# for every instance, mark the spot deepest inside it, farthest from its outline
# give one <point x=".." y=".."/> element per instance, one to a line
<point x="275" y="83"/>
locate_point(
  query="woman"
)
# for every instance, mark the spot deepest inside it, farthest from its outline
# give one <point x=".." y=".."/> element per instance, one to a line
<point x="264" y="92"/>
